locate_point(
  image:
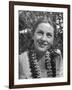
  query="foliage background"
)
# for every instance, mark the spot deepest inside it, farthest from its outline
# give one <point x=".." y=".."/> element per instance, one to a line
<point x="26" y="22"/>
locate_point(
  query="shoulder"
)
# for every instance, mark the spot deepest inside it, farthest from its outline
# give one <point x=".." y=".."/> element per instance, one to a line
<point x="24" y="66"/>
<point x="23" y="56"/>
<point x="24" y="59"/>
<point x="59" y="64"/>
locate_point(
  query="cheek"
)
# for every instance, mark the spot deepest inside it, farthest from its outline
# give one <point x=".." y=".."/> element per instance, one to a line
<point x="36" y="37"/>
<point x="50" y="40"/>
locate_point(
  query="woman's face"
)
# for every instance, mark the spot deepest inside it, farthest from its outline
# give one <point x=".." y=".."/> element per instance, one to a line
<point x="43" y="37"/>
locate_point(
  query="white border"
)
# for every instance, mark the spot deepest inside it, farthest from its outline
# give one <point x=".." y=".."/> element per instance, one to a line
<point x="16" y="23"/>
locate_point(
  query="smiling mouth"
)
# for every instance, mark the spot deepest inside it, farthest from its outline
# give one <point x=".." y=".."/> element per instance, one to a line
<point x="41" y="44"/>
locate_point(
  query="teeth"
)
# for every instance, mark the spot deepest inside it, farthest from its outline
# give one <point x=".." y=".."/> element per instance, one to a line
<point x="42" y="43"/>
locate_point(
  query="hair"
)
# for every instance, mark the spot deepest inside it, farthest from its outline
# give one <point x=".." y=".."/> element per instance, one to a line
<point x="44" y="20"/>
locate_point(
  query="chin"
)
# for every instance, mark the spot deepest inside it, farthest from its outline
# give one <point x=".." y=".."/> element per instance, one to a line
<point x="42" y="49"/>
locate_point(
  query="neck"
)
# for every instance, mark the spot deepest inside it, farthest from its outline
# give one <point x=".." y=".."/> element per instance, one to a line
<point x="39" y="54"/>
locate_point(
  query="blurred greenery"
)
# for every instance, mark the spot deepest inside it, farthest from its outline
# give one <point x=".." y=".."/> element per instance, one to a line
<point x="26" y="22"/>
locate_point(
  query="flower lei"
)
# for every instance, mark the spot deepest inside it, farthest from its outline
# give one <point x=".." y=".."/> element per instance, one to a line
<point x="34" y="65"/>
<point x="49" y="64"/>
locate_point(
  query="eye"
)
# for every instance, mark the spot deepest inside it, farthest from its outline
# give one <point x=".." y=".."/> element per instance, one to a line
<point x="40" y="32"/>
<point x="49" y="35"/>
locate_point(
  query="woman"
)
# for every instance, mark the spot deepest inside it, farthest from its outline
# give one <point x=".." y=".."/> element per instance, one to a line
<point x="41" y="60"/>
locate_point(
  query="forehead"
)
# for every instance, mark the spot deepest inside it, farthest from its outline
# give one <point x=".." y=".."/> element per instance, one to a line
<point x="45" y="27"/>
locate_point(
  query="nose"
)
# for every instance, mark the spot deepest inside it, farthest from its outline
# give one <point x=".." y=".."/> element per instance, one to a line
<point x="44" y="38"/>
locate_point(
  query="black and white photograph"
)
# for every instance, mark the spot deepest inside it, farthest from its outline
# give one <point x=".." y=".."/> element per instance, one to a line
<point x="40" y="47"/>
<point x="40" y="44"/>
